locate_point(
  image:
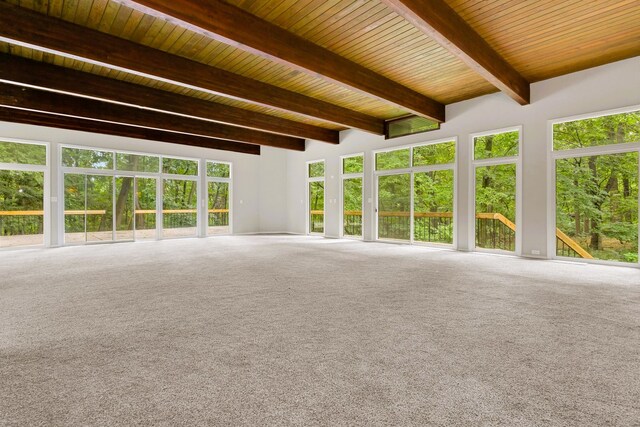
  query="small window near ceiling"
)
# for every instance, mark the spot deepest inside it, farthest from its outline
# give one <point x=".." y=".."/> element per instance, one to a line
<point x="218" y="170"/>
<point x="316" y="169"/>
<point x="504" y="144"/>
<point x="179" y="166"/>
<point x="434" y="154"/>
<point x="354" y="164"/>
<point x="90" y="159"/>
<point x="24" y="154"/>
<point x="396" y="159"/>
<point x="137" y="163"/>
<point x="596" y="131"/>
<point x="408" y="126"/>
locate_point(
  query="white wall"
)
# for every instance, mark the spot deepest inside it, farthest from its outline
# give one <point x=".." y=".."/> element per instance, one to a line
<point x="602" y="88"/>
<point x="246" y="168"/>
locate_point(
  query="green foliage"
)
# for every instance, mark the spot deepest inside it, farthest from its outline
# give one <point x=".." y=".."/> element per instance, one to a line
<point x="137" y="163"/>
<point x="21" y="191"/>
<point x="353" y="164"/>
<point x="316" y="169"/>
<point x="26" y="154"/>
<point x="352" y="193"/>
<point x="496" y="145"/>
<point x="179" y="166"/>
<point x="91" y="159"/>
<point x="496" y="190"/>
<point x="597" y="203"/>
<point x="606" y="130"/>
<point x="396" y="159"/>
<point x="409" y="126"/>
<point x="434" y="154"/>
<point x="218" y="170"/>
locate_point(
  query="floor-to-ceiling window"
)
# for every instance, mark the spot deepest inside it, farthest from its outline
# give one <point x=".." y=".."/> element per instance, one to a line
<point x="352" y="174"/>
<point x="595" y="164"/>
<point x="315" y="197"/>
<point x="179" y="197"/>
<point x="415" y="189"/>
<point x="120" y="196"/>
<point x="22" y="186"/>
<point x="496" y="160"/>
<point x="219" y="198"/>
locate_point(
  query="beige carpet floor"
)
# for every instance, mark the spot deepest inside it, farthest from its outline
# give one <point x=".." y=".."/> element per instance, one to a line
<point x="292" y="330"/>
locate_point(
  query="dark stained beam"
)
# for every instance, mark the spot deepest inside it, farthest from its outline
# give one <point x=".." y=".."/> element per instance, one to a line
<point x="232" y="25"/>
<point x="24" y="27"/>
<point x="57" y="103"/>
<point x="439" y="21"/>
<point x="45" y="76"/>
<point x="73" y="123"/>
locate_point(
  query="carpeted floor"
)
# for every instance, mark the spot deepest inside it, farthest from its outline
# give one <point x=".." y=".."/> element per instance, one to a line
<point x="292" y="330"/>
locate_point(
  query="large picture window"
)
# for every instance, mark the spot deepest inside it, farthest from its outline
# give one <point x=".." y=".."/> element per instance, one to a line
<point x="219" y="198"/>
<point x="416" y="193"/>
<point x="496" y="180"/>
<point x="315" y="197"/>
<point x="22" y="184"/>
<point x="352" y="168"/>
<point x="596" y="187"/>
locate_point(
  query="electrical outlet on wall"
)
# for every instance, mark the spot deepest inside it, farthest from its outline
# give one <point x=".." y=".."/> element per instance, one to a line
<point x="535" y="252"/>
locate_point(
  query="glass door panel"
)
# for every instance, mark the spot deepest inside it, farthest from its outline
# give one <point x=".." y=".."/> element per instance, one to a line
<point x="99" y="208"/>
<point x="21" y="208"/>
<point x="496" y="207"/>
<point x="597" y="207"/>
<point x="352" y="207"/>
<point x="394" y="207"/>
<point x="74" y="208"/>
<point x="180" y="215"/>
<point x="124" y="207"/>
<point x="218" y="208"/>
<point x="145" y="204"/>
<point x="316" y="207"/>
<point x="433" y="206"/>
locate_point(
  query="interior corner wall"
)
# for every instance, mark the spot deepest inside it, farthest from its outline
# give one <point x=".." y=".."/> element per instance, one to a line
<point x="246" y="179"/>
<point x="607" y="87"/>
<point x="273" y="190"/>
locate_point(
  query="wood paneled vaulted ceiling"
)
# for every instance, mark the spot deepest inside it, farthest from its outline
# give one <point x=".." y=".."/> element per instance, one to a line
<point x="229" y="74"/>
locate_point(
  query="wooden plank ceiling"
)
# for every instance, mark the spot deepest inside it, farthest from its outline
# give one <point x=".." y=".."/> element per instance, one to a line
<point x="386" y="41"/>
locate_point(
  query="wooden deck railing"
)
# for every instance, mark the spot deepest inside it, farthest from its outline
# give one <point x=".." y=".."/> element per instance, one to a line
<point x="571" y="245"/>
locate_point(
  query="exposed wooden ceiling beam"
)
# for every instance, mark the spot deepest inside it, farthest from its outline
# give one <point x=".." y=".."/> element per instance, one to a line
<point x="57" y="103"/>
<point x="45" y="76"/>
<point x="28" y="28"/>
<point x="73" y="123"/>
<point x="234" y="26"/>
<point x="439" y="21"/>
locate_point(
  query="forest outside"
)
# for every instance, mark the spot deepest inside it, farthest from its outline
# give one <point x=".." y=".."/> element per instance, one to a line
<point x="597" y="194"/>
<point x="22" y="193"/>
<point x="107" y="195"/>
<point x="431" y="175"/>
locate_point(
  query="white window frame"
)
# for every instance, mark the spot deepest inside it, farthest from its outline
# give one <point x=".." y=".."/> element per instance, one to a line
<point x="412" y="170"/>
<point x="308" y="201"/>
<point x="344" y="176"/>
<point x="205" y="201"/>
<point x="495" y="161"/>
<point x="114" y="172"/>
<point x="554" y="155"/>
<point x="46" y="202"/>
